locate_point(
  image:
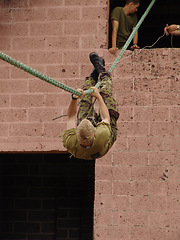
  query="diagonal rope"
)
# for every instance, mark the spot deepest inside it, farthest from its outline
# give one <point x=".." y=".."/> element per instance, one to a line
<point x="35" y="73"/>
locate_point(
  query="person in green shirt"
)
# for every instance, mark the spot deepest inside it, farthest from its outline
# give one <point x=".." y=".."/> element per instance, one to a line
<point x="92" y="134"/>
<point x="124" y="20"/>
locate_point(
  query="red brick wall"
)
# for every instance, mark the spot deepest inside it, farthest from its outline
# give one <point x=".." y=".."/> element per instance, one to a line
<point x="137" y="182"/>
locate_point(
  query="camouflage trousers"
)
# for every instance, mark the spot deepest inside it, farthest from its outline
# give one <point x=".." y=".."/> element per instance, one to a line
<point x="86" y="107"/>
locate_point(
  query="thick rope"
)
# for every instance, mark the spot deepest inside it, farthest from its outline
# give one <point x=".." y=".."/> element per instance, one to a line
<point x="37" y="74"/>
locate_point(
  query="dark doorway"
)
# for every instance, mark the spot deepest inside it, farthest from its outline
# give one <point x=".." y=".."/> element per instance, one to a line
<point x="163" y="12"/>
<point x="46" y="196"/>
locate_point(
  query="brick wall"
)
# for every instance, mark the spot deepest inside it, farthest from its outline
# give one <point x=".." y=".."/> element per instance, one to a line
<point x="137" y="182"/>
<point x="46" y="196"/>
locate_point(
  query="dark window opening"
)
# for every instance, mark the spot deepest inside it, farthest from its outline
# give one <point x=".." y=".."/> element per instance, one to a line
<point x="163" y="12"/>
<point x="46" y="196"/>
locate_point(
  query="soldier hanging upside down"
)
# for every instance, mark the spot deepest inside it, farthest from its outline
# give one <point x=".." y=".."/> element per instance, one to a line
<point x="92" y="135"/>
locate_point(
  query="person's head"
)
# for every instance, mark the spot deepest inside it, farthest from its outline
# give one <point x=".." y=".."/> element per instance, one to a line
<point x="85" y="133"/>
<point x="133" y="5"/>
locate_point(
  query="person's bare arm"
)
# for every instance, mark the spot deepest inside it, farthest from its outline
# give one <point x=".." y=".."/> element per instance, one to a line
<point x="173" y="29"/>
<point x="115" y="26"/>
<point x="72" y="111"/>
<point x="135" y="41"/>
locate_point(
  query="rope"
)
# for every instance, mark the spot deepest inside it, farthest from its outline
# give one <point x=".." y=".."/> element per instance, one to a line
<point x="37" y="74"/>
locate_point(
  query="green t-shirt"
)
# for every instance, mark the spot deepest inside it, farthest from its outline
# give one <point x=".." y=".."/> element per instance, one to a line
<point x="126" y="24"/>
<point x="101" y="145"/>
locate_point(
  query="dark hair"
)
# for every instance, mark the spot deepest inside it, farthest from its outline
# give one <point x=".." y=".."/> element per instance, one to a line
<point x="134" y="1"/>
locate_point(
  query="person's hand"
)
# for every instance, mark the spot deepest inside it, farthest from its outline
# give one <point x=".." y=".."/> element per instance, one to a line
<point x="135" y="46"/>
<point x="113" y="50"/>
<point x="166" y="30"/>
<point x="170" y="29"/>
<point x="82" y="95"/>
<point x="95" y="92"/>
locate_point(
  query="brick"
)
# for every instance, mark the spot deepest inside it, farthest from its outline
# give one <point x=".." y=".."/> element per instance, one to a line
<point x="27" y="15"/>
<point x="165" y="99"/>
<point x="4" y="72"/>
<point x="171" y="142"/>
<point x="4" y="101"/>
<point x="146" y="203"/>
<point x="164" y="129"/>
<point x="38" y="86"/>
<point x="140" y="69"/>
<point x="141" y="232"/>
<point x="5" y="15"/>
<point x="173" y="232"/>
<point x="174" y="113"/>
<point x="16" y="86"/>
<point x="161" y="70"/>
<point x="14" y="4"/>
<point x="158" y="188"/>
<point x="95" y="13"/>
<point x="173" y="188"/>
<point x="134" y="99"/>
<point x="151" y="85"/>
<point x="80" y="3"/>
<point x="25" y="129"/>
<point x="17" y="30"/>
<point x="27" y="100"/>
<point x="93" y="42"/>
<point x="103" y="172"/>
<point x="111" y="232"/>
<point x="132" y="129"/>
<point x="45" y="3"/>
<point x="46" y="29"/>
<point x="4" y="129"/>
<point x="103" y="187"/>
<point x="45" y="57"/>
<point x="138" y="218"/>
<point x="175" y="84"/>
<point x="13" y="115"/>
<point x="63" y="14"/>
<point x="54" y="43"/>
<point x="145" y="144"/>
<point x="165" y="218"/>
<point x="42" y="114"/>
<point x="120" y="173"/>
<point x="152" y="114"/>
<point x="164" y="158"/>
<point x="121" y="218"/>
<point x="103" y="218"/>
<point x="28" y="43"/>
<point x="5" y="43"/>
<point x="130" y="158"/>
<point x="173" y="203"/>
<point x="54" y="129"/>
<point x="146" y="172"/>
<point x="63" y="71"/>
<point x="80" y="28"/>
<point x="121" y="188"/>
<point x="57" y="100"/>
<point x="122" y="84"/>
<point x="72" y="57"/>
